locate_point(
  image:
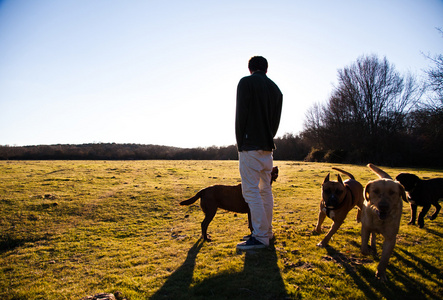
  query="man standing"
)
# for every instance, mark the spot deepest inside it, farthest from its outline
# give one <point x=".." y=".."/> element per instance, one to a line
<point x="258" y="111"/>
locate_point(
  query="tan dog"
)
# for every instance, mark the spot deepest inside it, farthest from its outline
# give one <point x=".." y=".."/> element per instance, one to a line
<point x="338" y="198"/>
<point x="381" y="213"/>
<point x="228" y="197"/>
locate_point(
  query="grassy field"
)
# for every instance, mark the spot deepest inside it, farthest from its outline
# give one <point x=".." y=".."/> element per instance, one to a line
<point x="75" y="228"/>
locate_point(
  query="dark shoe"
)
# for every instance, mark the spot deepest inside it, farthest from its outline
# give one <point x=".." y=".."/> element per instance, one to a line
<point x="252" y="243"/>
<point x="246" y="237"/>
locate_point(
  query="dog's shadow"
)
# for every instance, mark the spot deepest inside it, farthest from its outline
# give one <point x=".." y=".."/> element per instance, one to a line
<point x="434" y="232"/>
<point x="399" y="286"/>
<point x="259" y="279"/>
<point x="356" y="271"/>
<point x="419" y="267"/>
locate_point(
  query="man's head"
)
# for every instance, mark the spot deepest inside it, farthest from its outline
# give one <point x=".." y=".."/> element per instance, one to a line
<point x="258" y="63"/>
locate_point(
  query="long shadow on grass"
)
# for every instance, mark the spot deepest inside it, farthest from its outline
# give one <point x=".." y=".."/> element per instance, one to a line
<point x="177" y="285"/>
<point x="259" y="279"/>
<point x="357" y="272"/>
<point x="9" y="242"/>
<point x="399" y="284"/>
<point x="434" y="232"/>
<point x="413" y="289"/>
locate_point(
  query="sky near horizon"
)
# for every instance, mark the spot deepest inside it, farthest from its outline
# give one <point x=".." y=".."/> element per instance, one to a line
<point x="166" y="72"/>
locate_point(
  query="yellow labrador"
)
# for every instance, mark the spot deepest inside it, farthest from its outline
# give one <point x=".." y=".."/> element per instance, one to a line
<point x="381" y="213"/>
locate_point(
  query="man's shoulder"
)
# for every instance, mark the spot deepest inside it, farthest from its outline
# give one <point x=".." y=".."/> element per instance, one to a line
<point x="247" y="78"/>
<point x="257" y="78"/>
<point x="254" y="78"/>
<point x="246" y="81"/>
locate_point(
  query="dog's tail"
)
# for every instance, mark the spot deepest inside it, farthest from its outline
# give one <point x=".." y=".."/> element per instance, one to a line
<point x="378" y="171"/>
<point x="344" y="172"/>
<point x="192" y="199"/>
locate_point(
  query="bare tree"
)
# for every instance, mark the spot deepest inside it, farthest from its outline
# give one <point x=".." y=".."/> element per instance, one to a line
<point x="435" y="76"/>
<point x="313" y="125"/>
<point x="375" y="94"/>
<point x="367" y="109"/>
<point x="426" y="122"/>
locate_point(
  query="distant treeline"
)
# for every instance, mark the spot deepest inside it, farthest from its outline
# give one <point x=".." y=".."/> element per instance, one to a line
<point x="113" y="151"/>
<point x="289" y="149"/>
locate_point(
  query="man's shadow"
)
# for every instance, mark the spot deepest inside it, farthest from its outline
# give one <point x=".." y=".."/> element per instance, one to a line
<point x="259" y="279"/>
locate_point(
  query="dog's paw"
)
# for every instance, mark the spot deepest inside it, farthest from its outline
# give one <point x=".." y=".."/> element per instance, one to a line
<point x="432" y="217"/>
<point x="411" y="223"/>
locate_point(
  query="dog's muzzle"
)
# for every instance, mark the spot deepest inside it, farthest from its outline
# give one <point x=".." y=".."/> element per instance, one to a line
<point x="383" y="210"/>
<point x="332" y="202"/>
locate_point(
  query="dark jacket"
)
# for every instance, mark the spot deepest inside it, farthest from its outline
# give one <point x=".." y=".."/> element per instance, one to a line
<point x="258" y="111"/>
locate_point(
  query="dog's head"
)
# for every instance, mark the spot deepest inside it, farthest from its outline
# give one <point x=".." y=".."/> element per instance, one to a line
<point x="333" y="192"/>
<point x="274" y="174"/>
<point x="409" y="181"/>
<point x="383" y="195"/>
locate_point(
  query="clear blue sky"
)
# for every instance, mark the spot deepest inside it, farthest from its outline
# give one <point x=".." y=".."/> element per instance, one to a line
<point x="166" y="72"/>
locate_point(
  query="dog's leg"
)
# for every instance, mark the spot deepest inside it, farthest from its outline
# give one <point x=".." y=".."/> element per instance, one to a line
<point x="364" y="240"/>
<point x="421" y="216"/>
<point x="321" y="218"/>
<point x="209" y="215"/>
<point x="437" y="210"/>
<point x="413" y="214"/>
<point x="374" y="243"/>
<point x="388" y="247"/>
<point x="358" y="215"/>
<point x="331" y="232"/>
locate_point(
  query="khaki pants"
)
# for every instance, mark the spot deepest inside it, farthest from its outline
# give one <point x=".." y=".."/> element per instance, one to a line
<point x="255" y="170"/>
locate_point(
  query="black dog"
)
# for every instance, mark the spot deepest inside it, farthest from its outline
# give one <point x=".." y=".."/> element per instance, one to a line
<point x="422" y="192"/>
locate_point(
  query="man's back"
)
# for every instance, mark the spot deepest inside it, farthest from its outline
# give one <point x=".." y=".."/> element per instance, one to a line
<point x="259" y="104"/>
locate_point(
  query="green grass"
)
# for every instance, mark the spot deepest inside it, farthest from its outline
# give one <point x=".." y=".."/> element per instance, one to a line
<point x="75" y="228"/>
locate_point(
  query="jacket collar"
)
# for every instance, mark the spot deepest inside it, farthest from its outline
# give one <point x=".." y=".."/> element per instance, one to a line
<point x="262" y="73"/>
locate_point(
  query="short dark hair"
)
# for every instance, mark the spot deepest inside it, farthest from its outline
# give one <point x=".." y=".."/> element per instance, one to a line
<point x="258" y="63"/>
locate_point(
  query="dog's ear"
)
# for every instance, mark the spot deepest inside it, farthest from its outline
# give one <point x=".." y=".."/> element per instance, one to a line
<point x="339" y="178"/>
<point x="366" y="192"/>
<point x="274" y="174"/>
<point x="275" y="169"/>
<point x="326" y="179"/>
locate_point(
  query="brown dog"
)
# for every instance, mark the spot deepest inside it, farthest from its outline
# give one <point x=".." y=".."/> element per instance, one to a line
<point x="338" y="198"/>
<point x="228" y="197"/>
<point x="381" y="213"/>
<point x="422" y="192"/>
